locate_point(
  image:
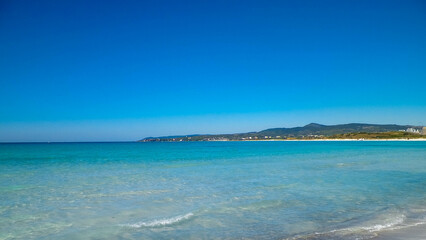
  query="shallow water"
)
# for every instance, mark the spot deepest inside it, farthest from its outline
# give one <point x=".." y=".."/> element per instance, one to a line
<point x="211" y="190"/>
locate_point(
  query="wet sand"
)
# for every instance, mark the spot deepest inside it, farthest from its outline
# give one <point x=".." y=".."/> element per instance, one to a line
<point x="412" y="233"/>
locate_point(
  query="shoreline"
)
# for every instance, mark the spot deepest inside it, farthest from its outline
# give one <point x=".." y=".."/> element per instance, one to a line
<point x="325" y="140"/>
<point x="408" y="233"/>
<point x="305" y="140"/>
<point x="314" y="140"/>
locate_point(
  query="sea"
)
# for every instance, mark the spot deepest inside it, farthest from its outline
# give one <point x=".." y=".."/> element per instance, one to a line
<point x="212" y="190"/>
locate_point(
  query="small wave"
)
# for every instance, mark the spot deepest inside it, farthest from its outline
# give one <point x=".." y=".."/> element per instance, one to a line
<point x="389" y="224"/>
<point x="124" y="194"/>
<point x="162" y="222"/>
<point x="262" y="205"/>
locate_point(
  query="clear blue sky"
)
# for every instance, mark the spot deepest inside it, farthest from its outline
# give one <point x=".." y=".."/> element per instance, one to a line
<point x="123" y="70"/>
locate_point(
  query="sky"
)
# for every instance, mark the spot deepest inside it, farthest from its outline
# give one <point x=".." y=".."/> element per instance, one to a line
<point x="124" y="70"/>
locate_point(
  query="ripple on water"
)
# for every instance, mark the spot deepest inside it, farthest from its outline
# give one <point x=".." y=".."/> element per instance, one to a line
<point x="161" y="222"/>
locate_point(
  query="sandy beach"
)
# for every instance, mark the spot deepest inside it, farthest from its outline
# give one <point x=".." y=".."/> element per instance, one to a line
<point x="410" y="233"/>
<point x="337" y="140"/>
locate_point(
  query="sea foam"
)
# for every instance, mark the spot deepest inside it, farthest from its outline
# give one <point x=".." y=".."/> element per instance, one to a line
<point x="161" y="222"/>
<point x="362" y="232"/>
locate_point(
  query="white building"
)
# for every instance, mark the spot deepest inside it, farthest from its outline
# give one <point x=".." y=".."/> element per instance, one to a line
<point x="413" y="130"/>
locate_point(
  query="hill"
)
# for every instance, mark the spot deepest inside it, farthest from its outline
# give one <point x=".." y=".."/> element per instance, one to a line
<point x="379" y="135"/>
<point x="310" y="131"/>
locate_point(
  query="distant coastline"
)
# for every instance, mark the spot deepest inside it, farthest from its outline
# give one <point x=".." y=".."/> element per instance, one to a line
<point x="311" y="140"/>
<point x="330" y="140"/>
<point x="310" y="132"/>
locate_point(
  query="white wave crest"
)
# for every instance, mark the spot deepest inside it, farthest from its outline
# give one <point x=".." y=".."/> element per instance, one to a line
<point x="388" y="224"/>
<point x="162" y="222"/>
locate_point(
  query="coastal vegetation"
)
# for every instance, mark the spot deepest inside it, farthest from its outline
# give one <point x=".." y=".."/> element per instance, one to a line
<point x="310" y="132"/>
<point x="379" y="135"/>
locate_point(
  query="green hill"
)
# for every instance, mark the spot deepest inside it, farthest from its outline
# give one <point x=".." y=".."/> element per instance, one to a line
<point x="380" y="135"/>
<point x="310" y="131"/>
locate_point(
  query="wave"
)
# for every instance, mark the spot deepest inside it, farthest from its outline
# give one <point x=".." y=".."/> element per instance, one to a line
<point x="262" y="205"/>
<point x="388" y="224"/>
<point x="362" y="232"/>
<point x="161" y="222"/>
<point x="124" y="194"/>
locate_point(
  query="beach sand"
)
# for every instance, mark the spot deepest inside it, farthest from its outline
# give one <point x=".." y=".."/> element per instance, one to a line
<point x="412" y="233"/>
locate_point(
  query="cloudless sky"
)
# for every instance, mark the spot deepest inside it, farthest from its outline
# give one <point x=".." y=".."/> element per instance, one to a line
<point x="124" y="70"/>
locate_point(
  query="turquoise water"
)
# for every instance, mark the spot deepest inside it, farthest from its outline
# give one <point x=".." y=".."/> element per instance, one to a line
<point x="211" y="190"/>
